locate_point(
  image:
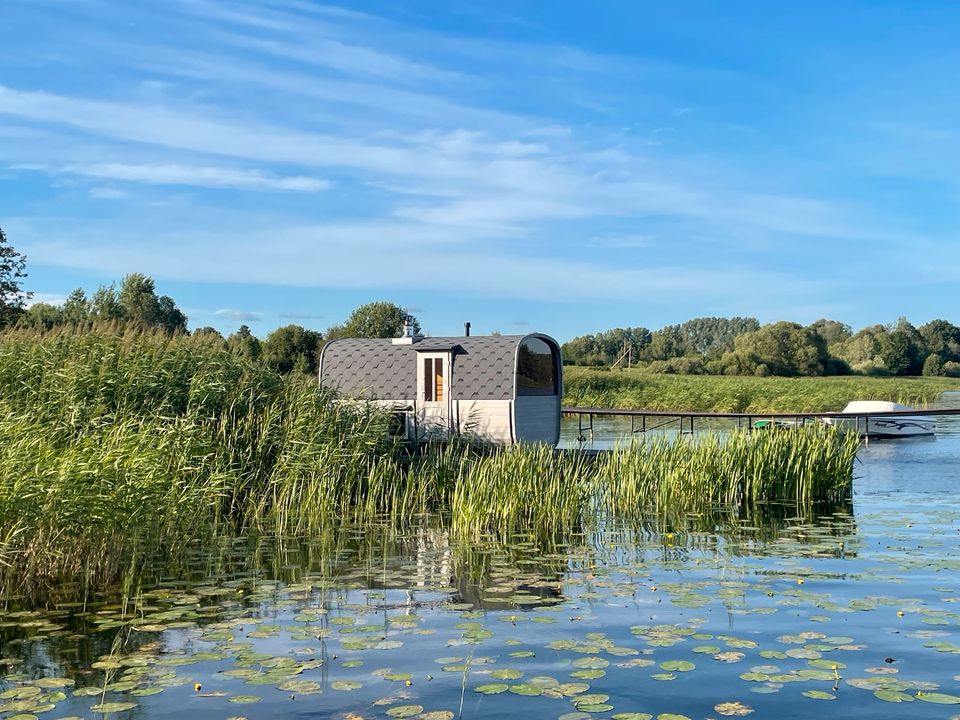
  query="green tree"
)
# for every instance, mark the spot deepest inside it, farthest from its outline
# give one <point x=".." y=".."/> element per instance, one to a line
<point x="712" y="336"/>
<point x="76" y="309"/>
<point x="42" y="316"/>
<point x="942" y="338"/>
<point x="13" y="297"/>
<point x="373" y="320"/>
<point x="105" y="304"/>
<point x="292" y="346"/>
<point x="934" y="366"/>
<point x="785" y="348"/>
<point x="140" y="304"/>
<point x="245" y="344"/>
<point x="864" y="351"/>
<point x="832" y="331"/>
<point x="666" y="343"/>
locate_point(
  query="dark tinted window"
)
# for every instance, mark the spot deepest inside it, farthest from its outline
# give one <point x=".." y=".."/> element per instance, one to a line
<point x="536" y="368"/>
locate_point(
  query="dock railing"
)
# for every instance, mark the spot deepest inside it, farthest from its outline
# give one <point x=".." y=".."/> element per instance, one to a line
<point x="650" y="420"/>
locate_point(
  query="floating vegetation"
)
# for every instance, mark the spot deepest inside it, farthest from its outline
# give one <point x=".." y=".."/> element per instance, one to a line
<point x="411" y="622"/>
<point x="149" y="499"/>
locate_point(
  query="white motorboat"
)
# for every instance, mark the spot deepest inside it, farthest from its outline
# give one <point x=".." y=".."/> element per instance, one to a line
<point x="893" y="426"/>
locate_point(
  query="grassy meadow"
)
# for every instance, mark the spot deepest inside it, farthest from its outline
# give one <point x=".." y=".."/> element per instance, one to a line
<point x="122" y="445"/>
<point x="632" y="389"/>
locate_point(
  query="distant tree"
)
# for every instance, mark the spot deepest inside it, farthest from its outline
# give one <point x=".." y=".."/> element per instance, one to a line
<point x="76" y="308"/>
<point x="373" y="320"/>
<point x="784" y="348"/>
<point x="942" y="338"/>
<point x="666" y="343"/>
<point x="41" y="316"/>
<point x="865" y="350"/>
<point x="105" y="304"/>
<point x="170" y="317"/>
<point x="244" y="344"/>
<point x="13" y="298"/>
<point x="832" y="331"/>
<point x="139" y="304"/>
<point x="712" y="336"/>
<point x="934" y="366"/>
<point x="903" y="353"/>
<point x="292" y="346"/>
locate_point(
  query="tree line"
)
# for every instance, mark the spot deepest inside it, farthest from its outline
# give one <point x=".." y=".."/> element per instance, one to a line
<point x="135" y="302"/>
<point x="741" y="346"/>
<point x="707" y="345"/>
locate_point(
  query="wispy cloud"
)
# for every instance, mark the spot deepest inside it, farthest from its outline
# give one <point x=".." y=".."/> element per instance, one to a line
<point x="238" y="315"/>
<point x="195" y="175"/>
<point x="300" y="316"/>
<point x="377" y="149"/>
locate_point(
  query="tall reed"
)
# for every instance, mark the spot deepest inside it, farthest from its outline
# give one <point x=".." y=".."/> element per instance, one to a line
<point x="121" y="445"/>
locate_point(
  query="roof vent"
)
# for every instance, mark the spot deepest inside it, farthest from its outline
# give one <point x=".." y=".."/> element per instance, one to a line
<point x="409" y="336"/>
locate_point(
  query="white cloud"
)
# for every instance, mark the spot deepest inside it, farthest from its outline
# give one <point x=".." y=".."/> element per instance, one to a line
<point x="238" y="315"/>
<point x="201" y="176"/>
<point x="108" y="193"/>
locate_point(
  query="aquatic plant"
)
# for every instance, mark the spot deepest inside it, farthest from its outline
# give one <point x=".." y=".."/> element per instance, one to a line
<point x="710" y="393"/>
<point x="123" y="444"/>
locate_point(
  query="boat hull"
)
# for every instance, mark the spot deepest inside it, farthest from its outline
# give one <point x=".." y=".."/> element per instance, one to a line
<point x="889" y="427"/>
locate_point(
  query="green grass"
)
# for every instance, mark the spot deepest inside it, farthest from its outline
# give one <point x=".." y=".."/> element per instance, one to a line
<point x="122" y="446"/>
<point x="709" y="393"/>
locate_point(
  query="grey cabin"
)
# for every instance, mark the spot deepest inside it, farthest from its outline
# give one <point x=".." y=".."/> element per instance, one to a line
<point x="501" y="388"/>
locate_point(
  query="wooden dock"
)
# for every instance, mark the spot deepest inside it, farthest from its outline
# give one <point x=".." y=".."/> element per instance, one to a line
<point x="643" y="421"/>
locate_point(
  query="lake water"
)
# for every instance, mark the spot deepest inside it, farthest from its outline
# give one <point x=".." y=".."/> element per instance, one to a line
<point x="849" y="613"/>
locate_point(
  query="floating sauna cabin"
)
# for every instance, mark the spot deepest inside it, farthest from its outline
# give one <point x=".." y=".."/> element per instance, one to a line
<point x="501" y="388"/>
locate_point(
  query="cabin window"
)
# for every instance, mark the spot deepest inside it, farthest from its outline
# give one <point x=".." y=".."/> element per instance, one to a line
<point x="433" y="384"/>
<point x="536" y="368"/>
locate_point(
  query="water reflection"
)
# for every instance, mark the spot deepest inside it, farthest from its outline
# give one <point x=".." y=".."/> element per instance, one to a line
<point x="790" y="613"/>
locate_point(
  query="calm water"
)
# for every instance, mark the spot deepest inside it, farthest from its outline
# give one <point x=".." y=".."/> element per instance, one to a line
<point x="835" y="616"/>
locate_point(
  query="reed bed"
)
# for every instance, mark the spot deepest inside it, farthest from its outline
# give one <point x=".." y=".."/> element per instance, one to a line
<point x="121" y="445"/>
<point x="711" y="393"/>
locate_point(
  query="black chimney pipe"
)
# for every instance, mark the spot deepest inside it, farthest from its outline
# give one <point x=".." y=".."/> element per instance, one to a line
<point x="466" y="329"/>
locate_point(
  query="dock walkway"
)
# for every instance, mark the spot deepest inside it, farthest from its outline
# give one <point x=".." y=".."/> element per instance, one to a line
<point x="643" y="421"/>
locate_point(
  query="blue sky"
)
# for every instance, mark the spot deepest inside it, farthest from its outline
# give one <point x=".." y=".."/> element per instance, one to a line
<point x="559" y="166"/>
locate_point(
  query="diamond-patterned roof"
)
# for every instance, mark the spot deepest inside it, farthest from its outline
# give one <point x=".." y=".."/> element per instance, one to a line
<point x="483" y="366"/>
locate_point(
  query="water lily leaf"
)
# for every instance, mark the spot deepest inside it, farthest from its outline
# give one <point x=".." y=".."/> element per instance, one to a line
<point x="506" y="674"/>
<point x="894" y="696"/>
<point x="591" y="699"/>
<point x="398" y="677"/>
<point x="346" y="685"/>
<point x="588" y="674"/>
<point x="819" y="695"/>
<point x="405" y="711"/>
<point x="526" y="689"/>
<point x="112" y="707"/>
<point x="245" y="699"/>
<point x="492" y="688"/>
<point x="938" y="698"/>
<point x="632" y="716"/>
<point x="678" y="665"/>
